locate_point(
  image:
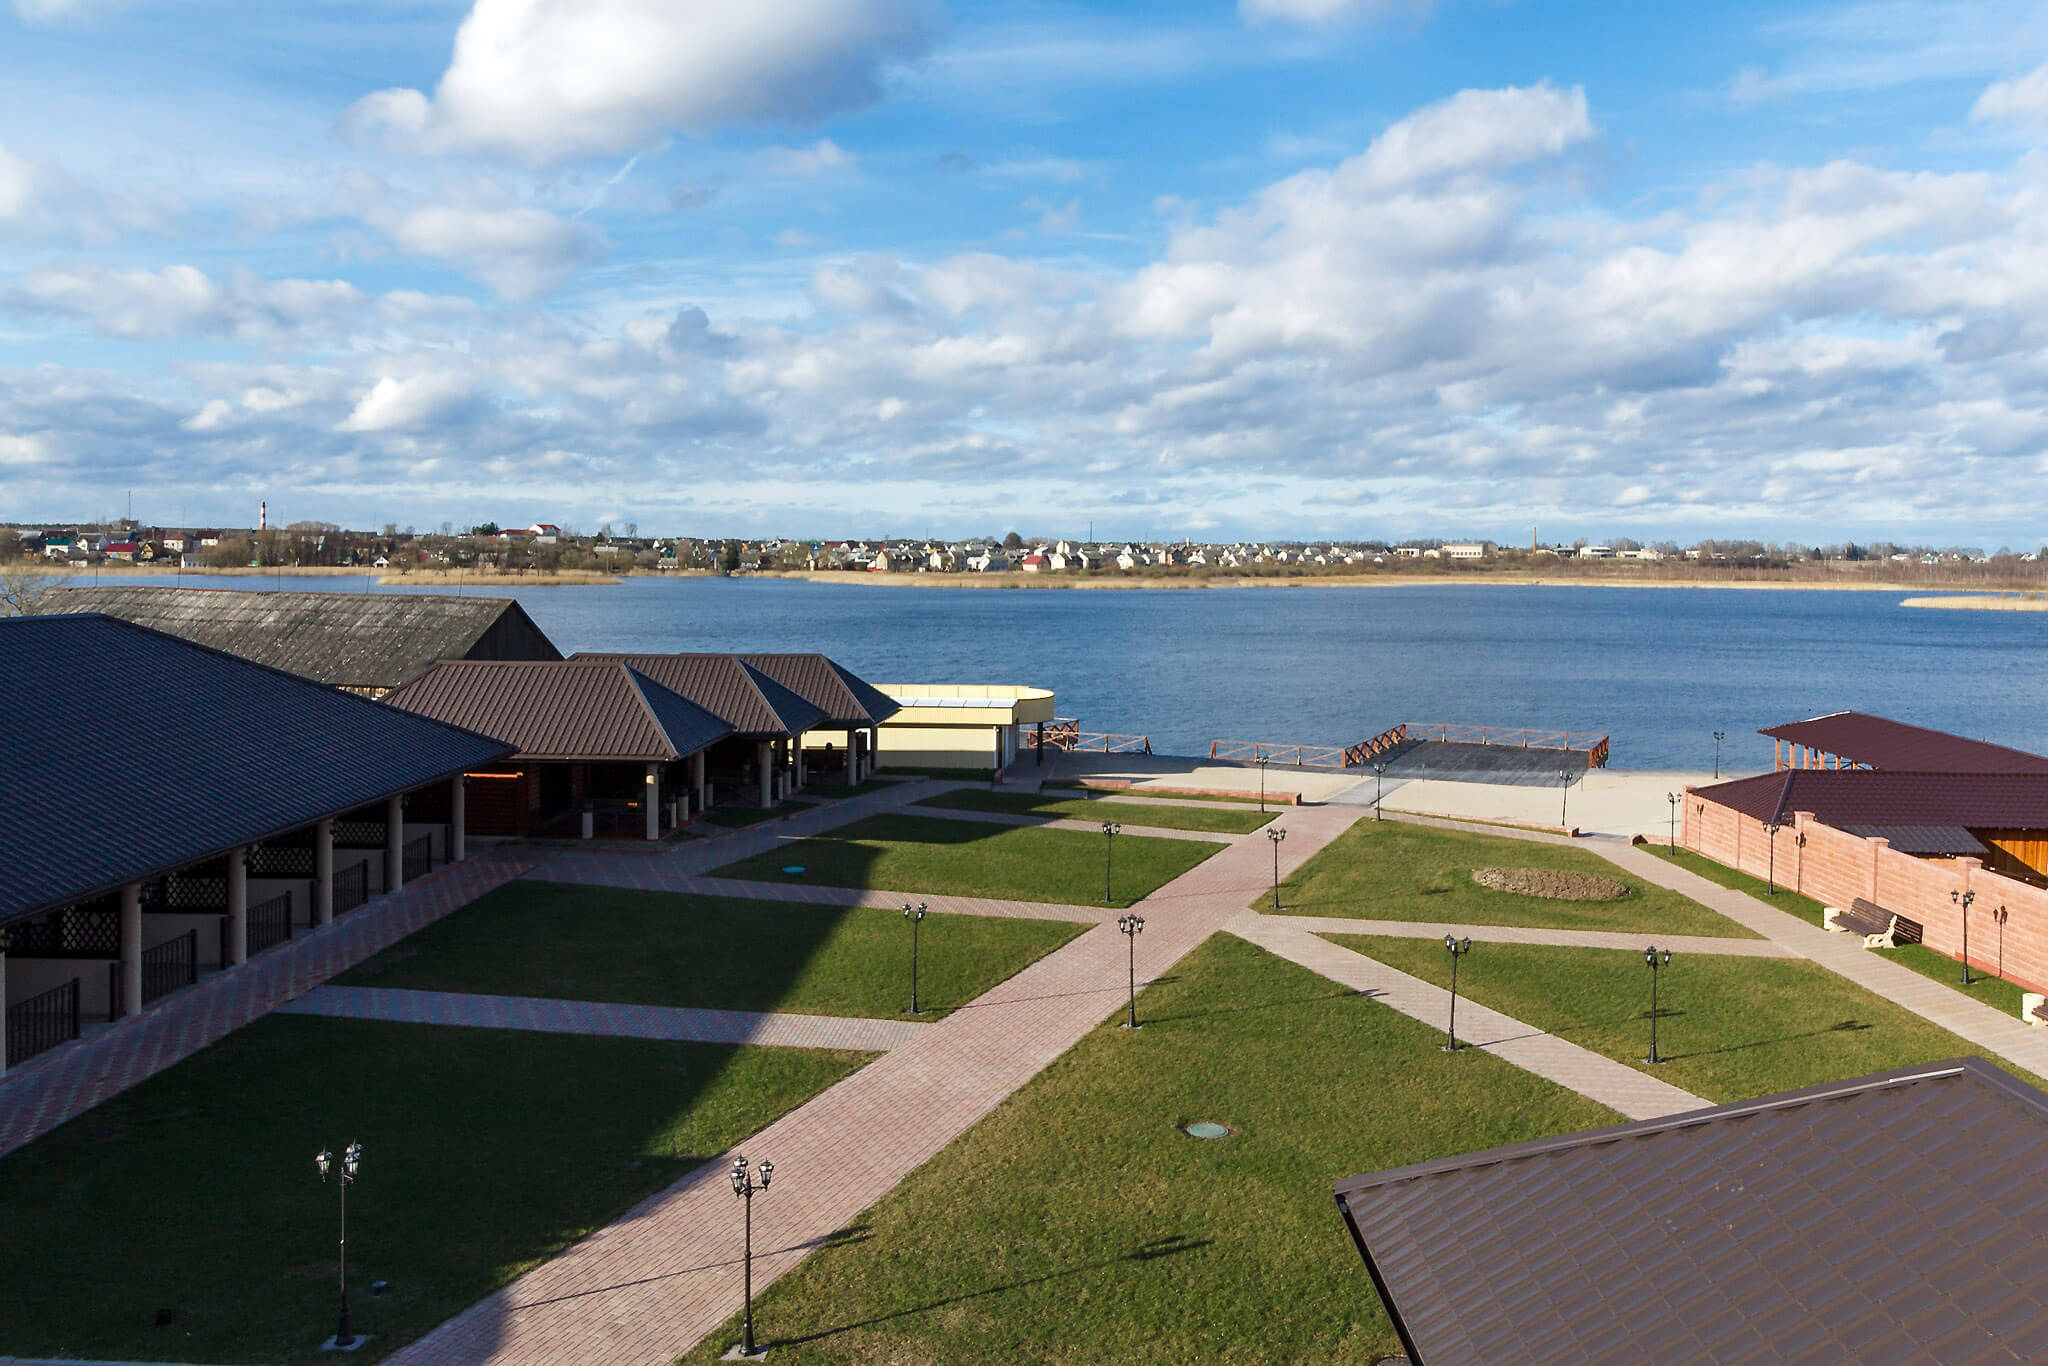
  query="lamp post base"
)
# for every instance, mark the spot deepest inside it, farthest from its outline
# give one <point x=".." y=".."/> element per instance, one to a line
<point x="334" y="1344"/>
<point x="1654" y="1062"/>
<point x="740" y="1353"/>
<point x="1128" y="1025"/>
<point x="1450" y="1048"/>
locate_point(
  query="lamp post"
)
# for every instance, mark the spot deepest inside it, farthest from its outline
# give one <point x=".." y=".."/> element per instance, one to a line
<point x="1262" y="760"/>
<point x="1962" y="901"/>
<point x="345" y="1176"/>
<point x="1276" y="835"/>
<point x="1110" y="830"/>
<point x="1671" y="841"/>
<point x="743" y="1185"/>
<point x="1457" y="948"/>
<point x="915" y="915"/>
<point x="1658" y="959"/>
<point x="1998" y="919"/>
<point x="1719" y="736"/>
<point x="1132" y="926"/>
<point x="1379" y="775"/>
<point x="1771" y="878"/>
<point x="1564" y="794"/>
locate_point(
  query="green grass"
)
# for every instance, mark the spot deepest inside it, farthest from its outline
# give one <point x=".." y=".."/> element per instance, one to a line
<point x="1792" y="903"/>
<point x="1226" y="821"/>
<point x="1394" y="870"/>
<point x="859" y="789"/>
<point x="962" y="775"/>
<point x="484" y="1151"/>
<point x="1218" y="798"/>
<point x="1991" y="991"/>
<point x="967" y="858"/>
<point x="1731" y="1028"/>
<point x="738" y="817"/>
<point x="1075" y="1224"/>
<point x="658" y="948"/>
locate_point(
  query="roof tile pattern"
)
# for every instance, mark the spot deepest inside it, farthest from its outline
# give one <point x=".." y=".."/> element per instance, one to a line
<point x="566" y="709"/>
<point x="846" y="698"/>
<point x="1865" y="797"/>
<point x="1882" y="743"/>
<point x="1895" y="1218"/>
<point x="755" y="705"/>
<point x="246" y="752"/>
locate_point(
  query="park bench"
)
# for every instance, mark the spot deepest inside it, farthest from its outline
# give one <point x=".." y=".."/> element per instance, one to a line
<point x="1880" y="928"/>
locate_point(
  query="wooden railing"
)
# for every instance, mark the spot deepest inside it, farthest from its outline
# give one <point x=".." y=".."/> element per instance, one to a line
<point x="1365" y="750"/>
<point x="1595" y="746"/>
<point x="42" y="1022"/>
<point x="416" y="860"/>
<point x="1298" y="756"/>
<point x="170" y="965"/>
<point x="351" y="888"/>
<point x="270" y="922"/>
<point x="1064" y="732"/>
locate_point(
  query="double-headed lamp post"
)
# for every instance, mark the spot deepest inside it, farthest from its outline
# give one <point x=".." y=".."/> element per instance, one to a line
<point x="1276" y="834"/>
<point x="1671" y="841"/>
<point x="1110" y="830"/>
<point x="744" y="1186"/>
<point x="1564" y="796"/>
<point x="1658" y="959"/>
<point x="345" y="1176"/>
<point x="1998" y="919"/>
<point x="1719" y="736"/>
<point x="1132" y="926"/>
<point x="1379" y="777"/>
<point x="1962" y="901"/>
<point x="1457" y="948"/>
<point x="915" y="915"/>
<point x="1262" y="760"/>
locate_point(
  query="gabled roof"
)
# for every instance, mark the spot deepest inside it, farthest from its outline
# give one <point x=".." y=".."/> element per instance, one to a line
<point x="728" y="687"/>
<point x="1881" y="742"/>
<point x="1891" y="1218"/>
<point x="846" y="698"/>
<point x="1849" y="796"/>
<point x="563" y="709"/>
<point x="351" y="640"/>
<point x="265" y="752"/>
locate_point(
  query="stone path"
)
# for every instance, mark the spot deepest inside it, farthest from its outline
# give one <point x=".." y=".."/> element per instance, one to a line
<point x="543" y="1014"/>
<point x="1086" y="827"/>
<point x="1523" y="934"/>
<point x="652" y="1284"/>
<point x="45" y="1091"/>
<point x="1635" y="1094"/>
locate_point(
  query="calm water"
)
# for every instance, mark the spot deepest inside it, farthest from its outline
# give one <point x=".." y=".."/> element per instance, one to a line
<point x="1658" y="669"/>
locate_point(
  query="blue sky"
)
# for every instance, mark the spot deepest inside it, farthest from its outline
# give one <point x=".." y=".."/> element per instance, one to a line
<point x="860" y="267"/>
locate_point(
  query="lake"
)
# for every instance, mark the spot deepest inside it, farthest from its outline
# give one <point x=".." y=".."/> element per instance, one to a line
<point x="1657" y="669"/>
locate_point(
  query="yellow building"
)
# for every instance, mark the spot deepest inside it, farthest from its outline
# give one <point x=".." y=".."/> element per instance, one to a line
<point x="979" y="726"/>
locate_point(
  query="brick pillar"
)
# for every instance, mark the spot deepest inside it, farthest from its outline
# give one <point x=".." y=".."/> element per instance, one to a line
<point x="131" y="953"/>
<point x="323" y="872"/>
<point x="394" y="842"/>
<point x="1800" y="820"/>
<point x="238" y="906"/>
<point x="1878" y="845"/>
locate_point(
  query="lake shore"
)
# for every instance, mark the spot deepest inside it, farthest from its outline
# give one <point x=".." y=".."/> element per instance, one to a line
<point x="434" y="578"/>
<point x="1982" y="603"/>
<point x="1108" y="582"/>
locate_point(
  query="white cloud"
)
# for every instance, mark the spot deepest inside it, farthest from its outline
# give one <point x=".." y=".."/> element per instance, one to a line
<point x="17" y="186"/>
<point x="211" y="418"/>
<point x="1319" y="12"/>
<point x="180" y="301"/>
<point x="522" y="253"/>
<point x="2024" y="99"/>
<point x="821" y="156"/>
<point x="416" y="401"/>
<point x="546" y="81"/>
<point x="56" y="11"/>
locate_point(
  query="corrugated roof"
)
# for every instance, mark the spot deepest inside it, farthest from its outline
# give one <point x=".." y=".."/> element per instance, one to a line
<point x="134" y="752"/>
<point x="1893" y="1218"/>
<point x="1846" y="796"/>
<point x="1953" y="841"/>
<point x="754" y="704"/>
<point x="351" y="640"/>
<point x="565" y="709"/>
<point x="1881" y="742"/>
<point x="846" y="698"/>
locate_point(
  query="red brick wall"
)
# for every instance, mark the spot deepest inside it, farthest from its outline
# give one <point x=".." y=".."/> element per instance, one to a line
<point x="1834" y="868"/>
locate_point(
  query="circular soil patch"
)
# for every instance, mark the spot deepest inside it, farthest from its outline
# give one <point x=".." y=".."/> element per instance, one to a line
<point x="1553" y="884"/>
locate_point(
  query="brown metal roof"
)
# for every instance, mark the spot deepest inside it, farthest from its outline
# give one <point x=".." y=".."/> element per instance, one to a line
<point x="563" y="709"/>
<point x="350" y="640"/>
<point x="1881" y="742"/>
<point x="1895" y="1218"/>
<point x="752" y="703"/>
<point x="845" y="697"/>
<point x="1847" y="796"/>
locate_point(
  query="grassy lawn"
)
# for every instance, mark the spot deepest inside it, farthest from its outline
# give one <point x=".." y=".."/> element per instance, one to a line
<point x="1392" y="870"/>
<point x="737" y="817"/>
<point x="962" y="775"/>
<point x="2000" y="995"/>
<point x="484" y="1151"/>
<point x="960" y="858"/>
<point x="1076" y="1224"/>
<point x="859" y="789"/>
<point x="1222" y="799"/>
<point x="658" y="948"/>
<point x="1227" y="821"/>
<point x="1805" y="907"/>
<point x="1732" y="1028"/>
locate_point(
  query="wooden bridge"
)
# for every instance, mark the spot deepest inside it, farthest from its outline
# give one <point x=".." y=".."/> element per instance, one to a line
<point x="1407" y="734"/>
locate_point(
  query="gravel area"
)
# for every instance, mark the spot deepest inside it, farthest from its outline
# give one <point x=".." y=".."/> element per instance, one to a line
<point x="1553" y="884"/>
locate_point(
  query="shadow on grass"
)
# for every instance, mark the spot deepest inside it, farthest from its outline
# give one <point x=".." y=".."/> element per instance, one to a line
<point x="1213" y="1011"/>
<point x="1153" y="1250"/>
<point x="1839" y="1027"/>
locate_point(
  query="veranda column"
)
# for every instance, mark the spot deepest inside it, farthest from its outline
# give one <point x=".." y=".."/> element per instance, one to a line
<point x="238" y="906"/>
<point x="458" y="818"/>
<point x="761" y="764"/>
<point x="799" y="743"/>
<point x="394" y="843"/>
<point x="874" y="749"/>
<point x="3" y="1005"/>
<point x="131" y="952"/>
<point x="654" y="801"/>
<point x="697" y="780"/>
<point x="323" y="872"/>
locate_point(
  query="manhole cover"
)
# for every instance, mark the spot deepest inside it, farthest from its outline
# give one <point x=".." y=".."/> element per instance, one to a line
<point x="792" y="870"/>
<point x="1205" y="1128"/>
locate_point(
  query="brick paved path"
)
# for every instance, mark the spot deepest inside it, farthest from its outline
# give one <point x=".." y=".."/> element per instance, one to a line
<point x="655" y="1282"/>
<point x="1616" y="1085"/>
<point x="44" y="1092"/>
<point x="1019" y="818"/>
<point x="1519" y="934"/>
<point x="546" y="1015"/>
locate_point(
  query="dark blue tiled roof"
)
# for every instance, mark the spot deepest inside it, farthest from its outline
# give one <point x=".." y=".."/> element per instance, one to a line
<point x="125" y="752"/>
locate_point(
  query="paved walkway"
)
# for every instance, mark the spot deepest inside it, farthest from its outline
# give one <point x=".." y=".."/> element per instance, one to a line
<point x="652" y="1284"/>
<point x="1086" y="827"/>
<point x="1521" y="934"/>
<point x="546" y="1015"/>
<point x="1635" y="1094"/>
<point x="44" y="1092"/>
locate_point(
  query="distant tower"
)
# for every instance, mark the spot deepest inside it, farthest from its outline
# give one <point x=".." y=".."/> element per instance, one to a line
<point x="1534" y="544"/>
<point x="263" y="515"/>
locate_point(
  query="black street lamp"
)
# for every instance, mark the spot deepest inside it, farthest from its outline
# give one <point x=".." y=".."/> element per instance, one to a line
<point x="1110" y="830"/>
<point x="345" y="1176"/>
<point x="915" y="915"/>
<point x="1564" y="794"/>
<point x="1962" y="901"/>
<point x="1671" y="841"/>
<point x="1771" y="879"/>
<point x="1263" y="760"/>
<point x="1658" y="959"/>
<point x="1132" y="926"/>
<point x="1457" y="948"/>
<point x="744" y="1187"/>
<point x="1379" y="775"/>
<point x="1719" y="736"/>
<point x="1998" y="919"/>
<point x="1276" y="835"/>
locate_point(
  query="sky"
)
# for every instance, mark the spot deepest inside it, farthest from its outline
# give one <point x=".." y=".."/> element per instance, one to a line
<point x="1213" y="269"/>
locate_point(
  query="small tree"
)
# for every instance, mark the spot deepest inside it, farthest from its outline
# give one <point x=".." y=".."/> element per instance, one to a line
<point x="1013" y="542"/>
<point x="22" y="586"/>
<point x="729" y="557"/>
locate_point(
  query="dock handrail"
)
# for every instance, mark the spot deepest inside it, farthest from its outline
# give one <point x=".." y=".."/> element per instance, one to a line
<point x="1364" y="750"/>
<point x="1299" y="756"/>
<point x="1064" y="732"/>
<point x="1517" y="736"/>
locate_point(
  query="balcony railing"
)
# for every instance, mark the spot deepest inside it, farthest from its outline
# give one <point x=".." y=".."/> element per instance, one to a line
<point x="170" y="965"/>
<point x="351" y="887"/>
<point x="42" y="1022"/>
<point x="418" y="858"/>
<point x="270" y="922"/>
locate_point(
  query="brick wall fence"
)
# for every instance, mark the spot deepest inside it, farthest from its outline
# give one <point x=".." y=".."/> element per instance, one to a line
<point x="1834" y="868"/>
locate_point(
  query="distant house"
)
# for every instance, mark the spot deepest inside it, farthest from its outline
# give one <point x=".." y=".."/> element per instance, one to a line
<point x="1467" y="550"/>
<point x="1596" y="552"/>
<point x="1125" y="560"/>
<point x="1034" y="563"/>
<point x="121" y="550"/>
<point x="543" y="533"/>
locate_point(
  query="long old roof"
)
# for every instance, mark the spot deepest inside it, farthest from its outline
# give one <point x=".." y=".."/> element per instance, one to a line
<point x="1881" y="743"/>
<point x="351" y="640"/>
<point x="137" y="752"/>
<point x="754" y="704"/>
<point x="1844" y="797"/>
<point x="1891" y="1218"/>
<point x="563" y="709"/>
<point x="845" y="697"/>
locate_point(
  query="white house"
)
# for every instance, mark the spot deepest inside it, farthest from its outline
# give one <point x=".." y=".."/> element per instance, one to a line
<point x="1466" y="550"/>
